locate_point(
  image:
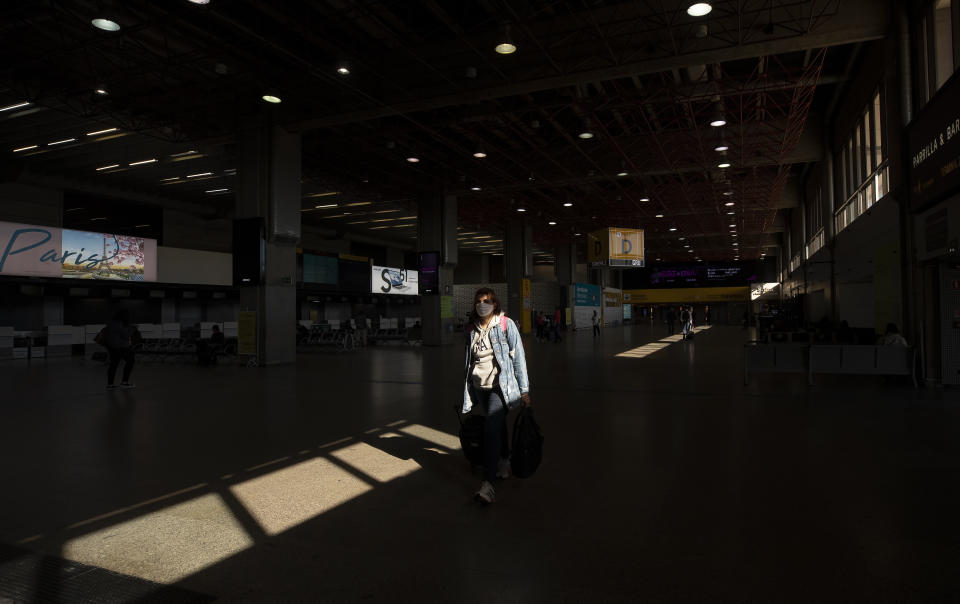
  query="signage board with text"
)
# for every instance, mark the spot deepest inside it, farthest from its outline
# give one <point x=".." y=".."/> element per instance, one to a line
<point x="933" y="147"/>
<point x="616" y="247"/>
<point x="396" y="281"/>
<point x="35" y="251"/>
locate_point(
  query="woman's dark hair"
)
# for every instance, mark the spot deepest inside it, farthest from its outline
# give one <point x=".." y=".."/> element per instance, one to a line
<point x="122" y="315"/>
<point x="483" y="291"/>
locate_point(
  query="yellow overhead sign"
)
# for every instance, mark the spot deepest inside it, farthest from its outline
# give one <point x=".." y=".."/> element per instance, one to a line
<point x="680" y="295"/>
<point x="616" y="247"/>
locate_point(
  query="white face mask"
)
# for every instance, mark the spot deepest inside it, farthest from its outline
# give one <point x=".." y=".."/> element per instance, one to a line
<point x="484" y="308"/>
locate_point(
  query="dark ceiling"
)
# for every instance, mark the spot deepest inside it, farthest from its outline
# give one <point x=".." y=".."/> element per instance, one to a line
<point x="644" y="77"/>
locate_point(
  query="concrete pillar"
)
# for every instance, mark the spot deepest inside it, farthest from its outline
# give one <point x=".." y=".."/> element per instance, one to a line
<point x="518" y="251"/>
<point x="268" y="186"/>
<point x="565" y="265"/>
<point x="438" y="233"/>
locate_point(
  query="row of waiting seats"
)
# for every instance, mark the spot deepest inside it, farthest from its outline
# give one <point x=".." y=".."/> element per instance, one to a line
<point x="854" y="359"/>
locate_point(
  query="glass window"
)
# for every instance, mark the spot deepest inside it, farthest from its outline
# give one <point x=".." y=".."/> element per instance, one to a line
<point x="852" y="171"/>
<point x="858" y="155"/>
<point x="877" y="135"/>
<point x="867" y="145"/>
<point x="943" y="41"/>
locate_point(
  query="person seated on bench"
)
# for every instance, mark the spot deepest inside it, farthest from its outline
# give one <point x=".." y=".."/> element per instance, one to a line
<point x="892" y="337"/>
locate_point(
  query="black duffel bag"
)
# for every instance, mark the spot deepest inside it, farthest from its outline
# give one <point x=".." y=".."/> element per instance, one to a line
<point x="527" y="445"/>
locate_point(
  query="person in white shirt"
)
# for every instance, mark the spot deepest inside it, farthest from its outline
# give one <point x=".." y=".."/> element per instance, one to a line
<point x="892" y="337"/>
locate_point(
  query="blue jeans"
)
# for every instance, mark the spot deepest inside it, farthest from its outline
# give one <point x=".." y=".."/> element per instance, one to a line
<point x="496" y="444"/>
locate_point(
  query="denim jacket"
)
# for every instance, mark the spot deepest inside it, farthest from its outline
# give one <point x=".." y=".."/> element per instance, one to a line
<point x="508" y="353"/>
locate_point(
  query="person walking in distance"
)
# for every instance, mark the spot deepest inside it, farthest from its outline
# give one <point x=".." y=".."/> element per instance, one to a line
<point x="596" y="323"/>
<point x="684" y="321"/>
<point x="495" y="381"/>
<point x="671" y="320"/>
<point x="557" y="318"/>
<point x="116" y="338"/>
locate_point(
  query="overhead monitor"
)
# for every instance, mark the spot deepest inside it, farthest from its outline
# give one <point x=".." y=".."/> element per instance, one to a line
<point x="429" y="273"/>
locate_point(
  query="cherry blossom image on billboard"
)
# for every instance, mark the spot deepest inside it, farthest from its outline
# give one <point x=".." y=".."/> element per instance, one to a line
<point x="102" y="256"/>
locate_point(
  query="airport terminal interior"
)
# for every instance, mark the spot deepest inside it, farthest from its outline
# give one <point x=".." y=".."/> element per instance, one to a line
<point x="246" y="250"/>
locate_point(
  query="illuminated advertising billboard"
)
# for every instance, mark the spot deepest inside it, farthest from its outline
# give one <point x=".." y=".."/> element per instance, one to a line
<point x="35" y="251"/>
<point x="397" y="281"/>
<point x="616" y="247"/>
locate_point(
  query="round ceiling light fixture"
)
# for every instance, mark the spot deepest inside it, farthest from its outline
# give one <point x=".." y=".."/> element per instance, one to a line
<point x="659" y="215"/>
<point x="199" y="1"/>
<point x="567" y="205"/>
<point x="673" y="229"/>
<point x="644" y="198"/>
<point x="621" y="173"/>
<point x="106" y="24"/>
<point x="721" y="148"/>
<point x="271" y="98"/>
<point x="413" y="159"/>
<point x="101" y="91"/>
<point x="699" y="9"/>
<point x="521" y="209"/>
<point x="723" y="165"/>
<point x="475" y="188"/>
<point x="343" y="70"/>
<point x="586" y="134"/>
<point x="479" y="154"/>
<point x="728" y="193"/>
<point x="552" y="223"/>
<point x="718" y="122"/>
<point x="506" y="45"/>
<point x="729" y="204"/>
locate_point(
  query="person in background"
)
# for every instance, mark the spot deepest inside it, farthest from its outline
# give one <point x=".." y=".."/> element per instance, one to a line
<point x="892" y="337"/>
<point x="685" y="321"/>
<point x="596" y="323"/>
<point x="217" y="336"/>
<point x="541" y="325"/>
<point x="671" y="320"/>
<point x="495" y="379"/>
<point x="116" y="338"/>
<point x="706" y="315"/>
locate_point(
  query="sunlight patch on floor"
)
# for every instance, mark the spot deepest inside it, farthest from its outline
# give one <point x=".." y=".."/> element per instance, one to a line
<point x="437" y="437"/>
<point x="375" y="463"/>
<point x="290" y="496"/>
<point x="643" y="351"/>
<point x="167" y="545"/>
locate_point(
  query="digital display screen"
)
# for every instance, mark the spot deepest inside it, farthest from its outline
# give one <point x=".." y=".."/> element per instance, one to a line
<point x="429" y="273"/>
<point x="320" y="269"/>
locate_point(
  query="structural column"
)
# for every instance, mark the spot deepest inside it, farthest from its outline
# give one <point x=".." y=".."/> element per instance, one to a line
<point x="268" y="175"/>
<point x="438" y="233"/>
<point x="518" y="254"/>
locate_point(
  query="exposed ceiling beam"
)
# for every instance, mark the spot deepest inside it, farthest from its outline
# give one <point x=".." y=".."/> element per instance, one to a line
<point x="857" y="21"/>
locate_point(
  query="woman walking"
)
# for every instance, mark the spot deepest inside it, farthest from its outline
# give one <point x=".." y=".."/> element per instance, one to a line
<point x="495" y="381"/>
<point x="116" y="337"/>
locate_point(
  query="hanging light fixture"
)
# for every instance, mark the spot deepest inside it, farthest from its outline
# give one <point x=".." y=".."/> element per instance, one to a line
<point x="506" y="45"/>
<point x="270" y="97"/>
<point x="479" y="153"/>
<point x="699" y="9"/>
<point x="106" y="24"/>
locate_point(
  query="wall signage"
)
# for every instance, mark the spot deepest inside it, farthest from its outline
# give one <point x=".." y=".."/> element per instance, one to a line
<point x="933" y="144"/>
<point x="397" y="281"/>
<point x="616" y="247"/>
<point x="35" y="251"/>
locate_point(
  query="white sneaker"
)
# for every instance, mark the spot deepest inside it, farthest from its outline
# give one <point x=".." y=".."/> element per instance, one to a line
<point x="503" y="468"/>
<point x="486" y="495"/>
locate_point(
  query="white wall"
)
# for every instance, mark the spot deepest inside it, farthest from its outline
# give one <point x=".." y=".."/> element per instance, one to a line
<point x="175" y="265"/>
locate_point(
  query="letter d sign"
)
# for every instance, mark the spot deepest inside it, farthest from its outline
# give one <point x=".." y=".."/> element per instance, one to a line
<point x="627" y="246"/>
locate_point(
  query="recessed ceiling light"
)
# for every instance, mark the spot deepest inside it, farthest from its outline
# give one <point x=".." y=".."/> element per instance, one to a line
<point x="343" y="70"/>
<point x="659" y="215"/>
<point x="101" y="91"/>
<point x="200" y="174"/>
<point x="324" y="206"/>
<point x="171" y="179"/>
<point x="576" y="234"/>
<point x="413" y="160"/>
<point x="723" y="165"/>
<point x="66" y="140"/>
<point x="691" y="251"/>
<point x="673" y="228"/>
<point x="101" y="132"/>
<point x="733" y="226"/>
<point x="730" y="213"/>
<point x="585" y="134"/>
<point x="686" y="245"/>
<point x="271" y="98"/>
<point x="621" y="173"/>
<point x="479" y="154"/>
<point x="735" y="244"/>
<point x="217" y="191"/>
<point x="699" y="9"/>
<point x="143" y="161"/>
<point x="682" y="238"/>
<point x="567" y="205"/>
<point x="475" y="188"/>
<point x="728" y="193"/>
<point x="644" y="198"/>
<point x="25" y="148"/>
<point x="733" y="235"/>
<point x="521" y="209"/>
<point x="721" y="148"/>
<point x="729" y="204"/>
<point x="718" y="122"/>
<point x="552" y="223"/>
<point x="506" y="48"/>
<point x="200" y="1"/>
<point x="106" y="24"/>
<point x="14" y="106"/>
<point x="108" y="167"/>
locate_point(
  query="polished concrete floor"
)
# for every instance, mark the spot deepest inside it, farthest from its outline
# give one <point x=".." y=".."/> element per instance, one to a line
<point x="665" y="479"/>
